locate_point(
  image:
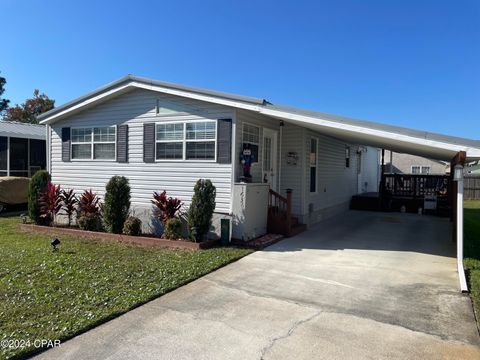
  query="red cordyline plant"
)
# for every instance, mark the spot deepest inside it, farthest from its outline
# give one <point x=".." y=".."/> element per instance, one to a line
<point x="50" y="202"/>
<point x="89" y="203"/>
<point x="167" y="207"/>
<point x="69" y="202"/>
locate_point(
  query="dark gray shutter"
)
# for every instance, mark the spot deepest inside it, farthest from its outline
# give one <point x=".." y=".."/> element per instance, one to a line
<point x="122" y="143"/>
<point x="224" y="141"/>
<point x="66" y="144"/>
<point x="149" y="142"/>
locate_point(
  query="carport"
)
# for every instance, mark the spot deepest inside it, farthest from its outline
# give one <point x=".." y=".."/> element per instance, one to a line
<point x="452" y="149"/>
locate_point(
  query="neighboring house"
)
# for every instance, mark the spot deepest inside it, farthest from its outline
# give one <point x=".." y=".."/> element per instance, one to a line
<point x="22" y="148"/>
<point x="398" y="163"/>
<point x="473" y="168"/>
<point x="164" y="136"/>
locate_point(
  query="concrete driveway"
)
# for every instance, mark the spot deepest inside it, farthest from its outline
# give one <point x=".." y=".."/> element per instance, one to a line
<point x="359" y="286"/>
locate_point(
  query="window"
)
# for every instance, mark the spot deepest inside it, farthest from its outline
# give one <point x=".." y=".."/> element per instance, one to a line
<point x="186" y="141"/>
<point x="347" y="156"/>
<point x="313" y="164"/>
<point x="94" y="143"/>
<point x="251" y="136"/>
<point x="417" y="169"/>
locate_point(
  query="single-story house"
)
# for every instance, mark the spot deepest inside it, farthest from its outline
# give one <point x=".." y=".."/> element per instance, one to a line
<point x="275" y="168"/>
<point x="22" y="148"/>
<point x="398" y="163"/>
<point x="165" y="136"/>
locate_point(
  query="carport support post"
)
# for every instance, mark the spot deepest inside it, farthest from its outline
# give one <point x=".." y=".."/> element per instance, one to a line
<point x="457" y="169"/>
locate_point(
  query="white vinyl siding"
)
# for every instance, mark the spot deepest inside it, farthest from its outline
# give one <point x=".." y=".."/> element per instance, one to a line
<point x="134" y="109"/>
<point x="336" y="183"/>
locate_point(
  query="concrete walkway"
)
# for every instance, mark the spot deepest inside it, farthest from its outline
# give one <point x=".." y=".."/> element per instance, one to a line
<point x="359" y="286"/>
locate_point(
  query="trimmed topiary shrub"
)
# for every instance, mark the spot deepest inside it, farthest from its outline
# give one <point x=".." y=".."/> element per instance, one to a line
<point x="38" y="183"/>
<point x="132" y="226"/>
<point x="117" y="204"/>
<point x="201" y="209"/>
<point x="90" y="221"/>
<point x="173" y="229"/>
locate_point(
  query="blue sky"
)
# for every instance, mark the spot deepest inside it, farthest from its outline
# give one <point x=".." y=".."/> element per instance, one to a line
<point x="409" y="63"/>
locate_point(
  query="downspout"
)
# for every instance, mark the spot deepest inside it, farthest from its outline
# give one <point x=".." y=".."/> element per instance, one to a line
<point x="49" y="158"/>
<point x="458" y="177"/>
<point x="282" y="124"/>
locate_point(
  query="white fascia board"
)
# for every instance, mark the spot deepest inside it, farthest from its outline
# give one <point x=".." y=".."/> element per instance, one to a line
<point x="471" y="152"/>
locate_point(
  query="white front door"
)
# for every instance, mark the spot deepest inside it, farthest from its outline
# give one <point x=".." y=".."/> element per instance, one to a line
<point x="269" y="163"/>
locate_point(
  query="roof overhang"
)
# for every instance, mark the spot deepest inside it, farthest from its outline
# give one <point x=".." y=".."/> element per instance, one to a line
<point x="434" y="146"/>
<point x="21" y="130"/>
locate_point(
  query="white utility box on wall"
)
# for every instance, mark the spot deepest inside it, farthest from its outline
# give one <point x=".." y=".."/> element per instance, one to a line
<point x="250" y="210"/>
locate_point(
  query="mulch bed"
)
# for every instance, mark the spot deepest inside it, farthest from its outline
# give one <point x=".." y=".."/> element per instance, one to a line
<point x="138" y="240"/>
<point x="260" y="242"/>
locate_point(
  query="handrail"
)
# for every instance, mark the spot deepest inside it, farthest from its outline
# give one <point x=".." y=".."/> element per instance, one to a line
<point x="280" y="208"/>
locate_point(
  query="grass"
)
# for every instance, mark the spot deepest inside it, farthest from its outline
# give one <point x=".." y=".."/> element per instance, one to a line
<point x="56" y="295"/>
<point x="472" y="251"/>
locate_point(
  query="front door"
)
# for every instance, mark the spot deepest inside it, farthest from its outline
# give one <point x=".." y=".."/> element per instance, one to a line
<point x="269" y="163"/>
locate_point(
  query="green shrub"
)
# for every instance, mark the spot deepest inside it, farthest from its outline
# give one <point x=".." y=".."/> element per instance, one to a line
<point x="90" y="221"/>
<point x="201" y="209"/>
<point x="173" y="229"/>
<point x="132" y="226"/>
<point x="38" y="183"/>
<point x="116" y="204"/>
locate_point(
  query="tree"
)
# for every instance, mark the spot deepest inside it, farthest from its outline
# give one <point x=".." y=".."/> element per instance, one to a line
<point x="3" y="102"/>
<point x="30" y="109"/>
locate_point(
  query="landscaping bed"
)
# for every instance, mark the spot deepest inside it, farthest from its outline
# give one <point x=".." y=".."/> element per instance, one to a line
<point x="139" y="240"/>
<point x="57" y="295"/>
<point x="472" y="252"/>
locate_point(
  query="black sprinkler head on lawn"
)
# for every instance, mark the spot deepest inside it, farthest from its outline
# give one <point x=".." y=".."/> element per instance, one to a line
<point x="55" y="242"/>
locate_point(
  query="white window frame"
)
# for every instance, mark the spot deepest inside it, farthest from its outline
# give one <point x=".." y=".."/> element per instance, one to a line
<point x="316" y="164"/>
<point x="92" y="142"/>
<point x="348" y="156"/>
<point x="419" y="169"/>
<point x="250" y="142"/>
<point x="425" y="167"/>
<point x="258" y="161"/>
<point x="184" y="141"/>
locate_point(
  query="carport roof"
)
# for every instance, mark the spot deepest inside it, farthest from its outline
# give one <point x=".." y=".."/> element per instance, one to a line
<point x="399" y="139"/>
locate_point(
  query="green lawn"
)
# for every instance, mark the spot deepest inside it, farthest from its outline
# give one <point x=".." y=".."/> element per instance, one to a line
<point x="55" y="295"/>
<point x="472" y="251"/>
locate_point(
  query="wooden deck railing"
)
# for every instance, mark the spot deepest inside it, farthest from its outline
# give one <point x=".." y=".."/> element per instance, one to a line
<point x="415" y="186"/>
<point x="279" y="213"/>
